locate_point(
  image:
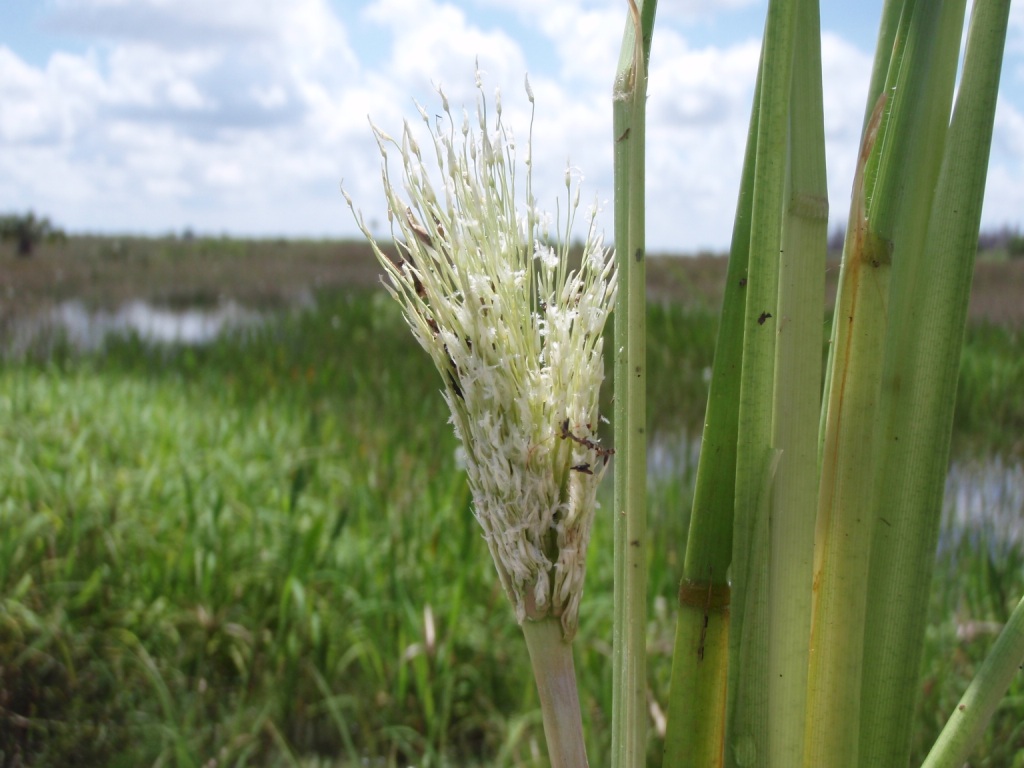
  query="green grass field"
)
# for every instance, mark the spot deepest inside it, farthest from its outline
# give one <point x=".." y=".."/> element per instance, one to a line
<point x="261" y="552"/>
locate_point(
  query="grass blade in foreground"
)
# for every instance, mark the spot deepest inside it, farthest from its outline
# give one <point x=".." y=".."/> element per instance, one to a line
<point x="517" y="339"/>
<point x="695" y="733"/>
<point x="629" y="636"/>
<point x="979" y="702"/>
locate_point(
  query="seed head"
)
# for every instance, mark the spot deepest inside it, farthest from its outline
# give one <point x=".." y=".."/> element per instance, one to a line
<point x="516" y="333"/>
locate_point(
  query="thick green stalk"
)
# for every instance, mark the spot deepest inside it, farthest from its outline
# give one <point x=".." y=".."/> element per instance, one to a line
<point x="905" y="167"/>
<point x="842" y="534"/>
<point x="629" y="710"/>
<point x="797" y="400"/>
<point x="747" y="723"/>
<point x="982" y="696"/>
<point x="551" y="657"/>
<point x="919" y="394"/>
<point x="695" y="733"/>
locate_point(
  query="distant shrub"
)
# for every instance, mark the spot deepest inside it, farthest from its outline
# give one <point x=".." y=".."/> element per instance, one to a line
<point x="1002" y="241"/>
<point x="27" y="231"/>
<point x="1015" y="246"/>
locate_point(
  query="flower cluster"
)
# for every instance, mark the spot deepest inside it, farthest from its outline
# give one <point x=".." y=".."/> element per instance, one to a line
<point x="516" y="333"/>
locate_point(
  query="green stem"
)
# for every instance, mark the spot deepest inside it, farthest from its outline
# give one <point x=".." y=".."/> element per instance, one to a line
<point x="747" y="726"/>
<point x="629" y="710"/>
<point x="551" y="658"/>
<point x="695" y="732"/>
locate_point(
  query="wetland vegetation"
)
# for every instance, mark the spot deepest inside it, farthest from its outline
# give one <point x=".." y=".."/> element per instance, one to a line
<point x="259" y="550"/>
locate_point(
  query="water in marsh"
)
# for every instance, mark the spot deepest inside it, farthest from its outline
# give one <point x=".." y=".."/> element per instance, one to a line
<point x="985" y="501"/>
<point x="984" y="496"/>
<point x="85" y="330"/>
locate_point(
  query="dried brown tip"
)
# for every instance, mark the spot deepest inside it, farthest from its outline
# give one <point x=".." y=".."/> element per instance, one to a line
<point x="417" y="229"/>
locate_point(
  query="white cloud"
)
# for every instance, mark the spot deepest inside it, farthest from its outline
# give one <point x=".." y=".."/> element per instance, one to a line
<point x="846" y="72"/>
<point x="1015" y="33"/>
<point x="1009" y="132"/>
<point x="584" y="39"/>
<point x="46" y="106"/>
<point x="308" y="26"/>
<point x="146" y="77"/>
<point x="434" y="43"/>
<point x="1004" y="193"/>
<point x="174" y="106"/>
<point x="698" y="110"/>
<point x="688" y="10"/>
<point x="244" y="115"/>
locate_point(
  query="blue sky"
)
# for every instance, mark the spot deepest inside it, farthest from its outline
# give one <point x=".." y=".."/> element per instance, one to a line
<point x="244" y="116"/>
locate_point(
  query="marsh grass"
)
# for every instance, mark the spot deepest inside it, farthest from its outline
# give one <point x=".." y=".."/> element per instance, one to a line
<point x="261" y="552"/>
<point x="107" y="271"/>
<point x="976" y="584"/>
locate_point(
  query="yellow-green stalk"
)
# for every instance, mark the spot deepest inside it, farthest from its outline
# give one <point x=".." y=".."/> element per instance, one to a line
<point x="842" y="534"/>
<point x="517" y="338"/>
<point x="898" y="178"/>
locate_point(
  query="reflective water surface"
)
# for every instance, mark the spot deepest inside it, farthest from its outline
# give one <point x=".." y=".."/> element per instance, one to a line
<point x="984" y="496"/>
<point x="86" y="330"/>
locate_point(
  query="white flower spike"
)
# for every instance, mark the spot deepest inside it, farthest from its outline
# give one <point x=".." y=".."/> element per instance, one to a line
<point x="516" y="334"/>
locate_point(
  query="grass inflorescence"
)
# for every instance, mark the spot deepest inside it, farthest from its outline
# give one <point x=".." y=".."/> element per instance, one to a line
<point x="262" y="551"/>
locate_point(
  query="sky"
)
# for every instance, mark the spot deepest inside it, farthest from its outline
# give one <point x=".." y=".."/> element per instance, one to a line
<point x="244" y="117"/>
